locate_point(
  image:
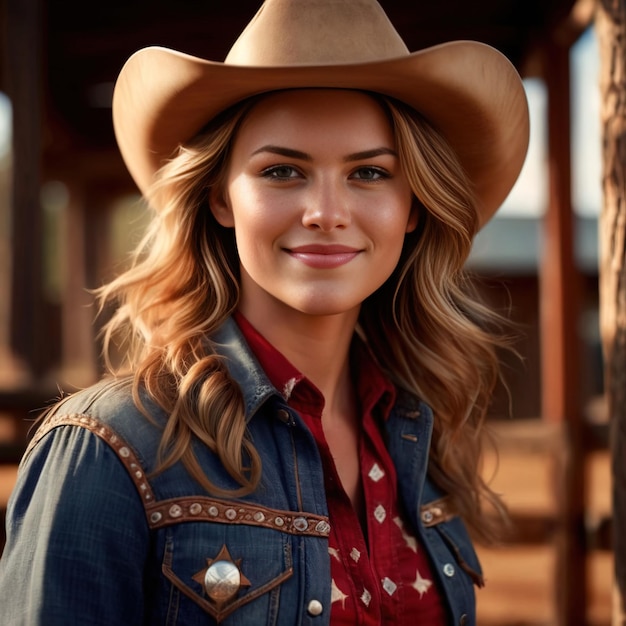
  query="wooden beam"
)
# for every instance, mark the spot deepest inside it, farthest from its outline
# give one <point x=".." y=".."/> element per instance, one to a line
<point x="23" y="70"/>
<point x="611" y="31"/>
<point x="560" y="307"/>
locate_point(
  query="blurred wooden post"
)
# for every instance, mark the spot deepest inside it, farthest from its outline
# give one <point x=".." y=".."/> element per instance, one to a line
<point x="23" y="67"/>
<point x="611" y="30"/>
<point x="560" y="304"/>
<point x="78" y="309"/>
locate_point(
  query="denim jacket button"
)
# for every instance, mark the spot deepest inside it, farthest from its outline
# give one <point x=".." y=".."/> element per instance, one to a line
<point x="448" y="570"/>
<point x="222" y="581"/>
<point x="315" y="608"/>
<point x="284" y="416"/>
<point x="463" y="620"/>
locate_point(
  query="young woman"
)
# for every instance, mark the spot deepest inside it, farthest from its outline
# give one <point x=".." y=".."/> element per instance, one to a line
<point x="294" y="435"/>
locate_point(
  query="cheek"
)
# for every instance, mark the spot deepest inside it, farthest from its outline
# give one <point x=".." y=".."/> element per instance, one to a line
<point x="249" y="235"/>
<point x="391" y="225"/>
<point x="259" y="214"/>
<point x="246" y="210"/>
<point x="255" y="231"/>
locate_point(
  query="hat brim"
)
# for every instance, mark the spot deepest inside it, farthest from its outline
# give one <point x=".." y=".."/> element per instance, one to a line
<point x="468" y="90"/>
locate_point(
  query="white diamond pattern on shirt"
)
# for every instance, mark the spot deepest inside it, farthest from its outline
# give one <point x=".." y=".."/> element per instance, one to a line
<point x="380" y="514"/>
<point x="389" y="586"/>
<point x="355" y="555"/>
<point x="376" y="473"/>
<point x="334" y="553"/>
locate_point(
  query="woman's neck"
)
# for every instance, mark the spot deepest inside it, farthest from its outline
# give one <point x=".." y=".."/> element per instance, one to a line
<point x="318" y="346"/>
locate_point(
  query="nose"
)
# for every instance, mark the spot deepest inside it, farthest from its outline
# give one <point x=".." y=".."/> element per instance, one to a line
<point x="327" y="207"/>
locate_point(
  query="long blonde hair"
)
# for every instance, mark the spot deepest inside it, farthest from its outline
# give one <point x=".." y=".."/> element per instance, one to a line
<point x="428" y="326"/>
<point x="425" y="325"/>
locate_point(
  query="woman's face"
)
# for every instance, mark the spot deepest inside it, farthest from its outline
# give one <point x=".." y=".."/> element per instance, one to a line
<point x="318" y="201"/>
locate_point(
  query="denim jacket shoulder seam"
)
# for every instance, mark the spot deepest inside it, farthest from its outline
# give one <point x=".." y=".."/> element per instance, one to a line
<point x="107" y="434"/>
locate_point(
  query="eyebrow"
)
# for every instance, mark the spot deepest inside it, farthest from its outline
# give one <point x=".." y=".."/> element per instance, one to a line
<point x="304" y="156"/>
<point x="369" y="154"/>
<point x="287" y="152"/>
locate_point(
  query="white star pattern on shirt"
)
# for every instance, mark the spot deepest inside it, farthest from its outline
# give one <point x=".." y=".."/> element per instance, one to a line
<point x="421" y="585"/>
<point x="410" y="541"/>
<point x="366" y="597"/>
<point x="336" y="595"/>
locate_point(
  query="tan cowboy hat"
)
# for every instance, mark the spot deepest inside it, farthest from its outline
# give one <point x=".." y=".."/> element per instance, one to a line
<point x="468" y="90"/>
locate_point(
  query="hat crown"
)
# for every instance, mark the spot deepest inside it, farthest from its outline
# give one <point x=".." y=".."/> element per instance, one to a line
<point x="317" y="32"/>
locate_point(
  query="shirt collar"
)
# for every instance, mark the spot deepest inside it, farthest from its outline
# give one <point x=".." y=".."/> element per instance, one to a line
<point x="374" y="389"/>
<point x="281" y="373"/>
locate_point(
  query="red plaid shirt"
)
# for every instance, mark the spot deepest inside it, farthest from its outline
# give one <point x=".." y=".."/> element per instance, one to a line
<point x="382" y="575"/>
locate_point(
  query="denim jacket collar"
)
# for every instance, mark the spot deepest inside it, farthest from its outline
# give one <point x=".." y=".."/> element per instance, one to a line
<point x="228" y="341"/>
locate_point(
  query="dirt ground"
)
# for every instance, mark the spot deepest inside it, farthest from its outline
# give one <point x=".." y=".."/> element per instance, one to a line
<point x="520" y="588"/>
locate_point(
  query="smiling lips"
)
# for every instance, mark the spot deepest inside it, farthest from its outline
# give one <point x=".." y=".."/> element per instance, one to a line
<point x="324" y="256"/>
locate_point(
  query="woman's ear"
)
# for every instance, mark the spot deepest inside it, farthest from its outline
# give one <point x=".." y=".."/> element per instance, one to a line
<point x="220" y="207"/>
<point x="414" y="215"/>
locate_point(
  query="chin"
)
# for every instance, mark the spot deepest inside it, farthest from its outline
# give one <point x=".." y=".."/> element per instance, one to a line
<point x="323" y="306"/>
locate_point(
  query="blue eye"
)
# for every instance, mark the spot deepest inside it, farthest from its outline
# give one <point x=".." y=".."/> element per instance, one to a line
<point x="281" y="172"/>
<point x="370" y="173"/>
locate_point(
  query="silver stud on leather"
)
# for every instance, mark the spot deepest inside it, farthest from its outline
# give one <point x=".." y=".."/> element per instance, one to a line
<point x="175" y="510"/>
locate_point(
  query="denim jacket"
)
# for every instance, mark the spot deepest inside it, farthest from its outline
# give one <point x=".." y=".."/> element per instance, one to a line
<point x="94" y="538"/>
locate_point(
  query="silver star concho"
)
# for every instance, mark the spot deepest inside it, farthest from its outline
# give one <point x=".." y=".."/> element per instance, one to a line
<point x="222" y="578"/>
